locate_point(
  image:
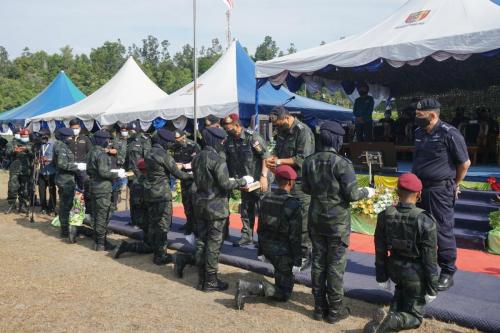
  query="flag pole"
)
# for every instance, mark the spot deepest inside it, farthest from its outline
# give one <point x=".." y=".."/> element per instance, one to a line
<point x="228" y="32"/>
<point x="195" y="74"/>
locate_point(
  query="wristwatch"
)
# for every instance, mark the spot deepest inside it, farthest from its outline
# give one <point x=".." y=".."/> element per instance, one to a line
<point x="278" y="162"/>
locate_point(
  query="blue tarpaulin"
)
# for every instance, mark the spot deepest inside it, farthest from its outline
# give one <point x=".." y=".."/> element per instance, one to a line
<point x="59" y="93"/>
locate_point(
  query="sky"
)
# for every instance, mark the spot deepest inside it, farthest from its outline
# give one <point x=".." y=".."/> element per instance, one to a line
<point x="85" y="24"/>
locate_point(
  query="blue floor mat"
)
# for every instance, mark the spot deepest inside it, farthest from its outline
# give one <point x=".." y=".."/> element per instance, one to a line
<point x="474" y="300"/>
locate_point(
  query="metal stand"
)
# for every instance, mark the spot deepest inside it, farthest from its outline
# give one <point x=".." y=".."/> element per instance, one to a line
<point x="372" y="158"/>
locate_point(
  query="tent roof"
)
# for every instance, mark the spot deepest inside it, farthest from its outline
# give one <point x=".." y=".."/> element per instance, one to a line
<point x="421" y="32"/>
<point x="128" y="87"/>
<point x="227" y="87"/>
<point x="59" y="93"/>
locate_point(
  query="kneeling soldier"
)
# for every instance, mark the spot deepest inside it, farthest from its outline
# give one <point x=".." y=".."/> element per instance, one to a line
<point x="406" y="253"/>
<point x="280" y="232"/>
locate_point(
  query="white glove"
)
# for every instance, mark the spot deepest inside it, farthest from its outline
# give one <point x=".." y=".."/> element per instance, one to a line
<point x="122" y="173"/>
<point x="191" y="239"/>
<point x="248" y="179"/>
<point x="429" y="298"/>
<point x="262" y="258"/>
<point x="295" y="269"/>
<point x="371" y="191"/>
<point x="81" y="166"/>
<point x="387" y="285"/>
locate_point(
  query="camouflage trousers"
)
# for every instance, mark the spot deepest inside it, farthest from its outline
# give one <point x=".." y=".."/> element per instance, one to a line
<point x="249" y="208"/>
<point x="305" y="201"/>
<point x="66" y="195"/>
<point x="208" y="244"/>
<point x="329" y="258"/>
<point x="18" y="187"/>
<point x="101" y="211"/>
<point x="283" y="279"/>
<point x="160" y="221"/>
<point x="187" y="202"/>
<point x="408" y="301"/>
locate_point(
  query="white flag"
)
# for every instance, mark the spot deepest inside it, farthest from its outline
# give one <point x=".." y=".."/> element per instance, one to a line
<point x="229" y="3"/>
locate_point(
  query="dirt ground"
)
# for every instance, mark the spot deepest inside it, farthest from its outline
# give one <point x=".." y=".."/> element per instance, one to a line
<point x="50" y="286"/>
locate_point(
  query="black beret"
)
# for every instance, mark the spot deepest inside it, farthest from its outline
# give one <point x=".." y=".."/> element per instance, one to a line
<point x="278" y="113"/>
<point x="211" y="119"/>
<point x="428" y="104"/>
<point x="216" y="132"/>
<point x="166" y="135"/>
<point x="65" y="131"/>
<point x="133" y="126"/>
<point x="44" y="131"/>
<point x="102" y="134"/>
<point x="74" y="121"/>
<point x="332" y="126"/>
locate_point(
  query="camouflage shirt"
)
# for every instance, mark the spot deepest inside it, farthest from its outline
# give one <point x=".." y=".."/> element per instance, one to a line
<point x="99" y="171"/>
<point x="137" y="148"/>
<point x="280" y="226"/>
<point x="21" y="162"/>
<point x="212" y="185"/>
<point x="244" y="154"/>
<point x="330" y="180"/>
<point x="64" y="162"/>
<point x="296" y="143"/>
<point x="120" y="144"/>
<point x="406" y="246"/>
<point x="160" y="165"/>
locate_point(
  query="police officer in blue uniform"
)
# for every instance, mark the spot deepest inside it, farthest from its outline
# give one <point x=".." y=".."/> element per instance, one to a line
<point x="441" y="162"/>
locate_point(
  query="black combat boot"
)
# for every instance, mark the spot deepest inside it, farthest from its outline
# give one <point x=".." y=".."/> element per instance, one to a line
<point x="73" y="233"/>
<point x="320" y="307"/>
<point x="99" y="247"/>
<point x="212" y="283"/>
<point x="391" y="323"/>
<point x="445" y="281"/>
<point x="120" y="249"/>
<point x="64" y="233"/>
<point x="336" y="312"/>
<point x="161" y="258"/>
<point x="181" y="261"/>
<point x="373" y="325"/>
<point x="11" y="208"/>
<point x="245" y="289"/>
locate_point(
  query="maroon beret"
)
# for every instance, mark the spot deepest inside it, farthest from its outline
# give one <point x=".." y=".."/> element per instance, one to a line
<point x="409" y="182"/>
<point x="286" y="172"/>
<point x="231" y="118"/>
<point x="141" y="164"/>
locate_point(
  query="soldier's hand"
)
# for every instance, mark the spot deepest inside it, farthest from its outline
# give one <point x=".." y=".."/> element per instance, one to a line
<point x="371" y="191"/>
<point x="429" y="298"/>
<point x="295" y="269"/>
<point x="112" y="151"/>
<point x="248" y="179"/>
<point x="271" y="162"/>
<point x="457" y="191"/>
<point x="387" y="285"/>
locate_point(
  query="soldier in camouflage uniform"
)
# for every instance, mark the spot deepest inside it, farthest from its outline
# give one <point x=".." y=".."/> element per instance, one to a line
<point x="160" y="165"/>
<point x="330" y="180"/>
<point x="66" y="168"/>
<point x="245" y="154"/>
<point x="211" y="206"/>
<point x="21" y="156"/>
<point x="294" y="142"/>
<point x="184" y="152"/>
<point x="101" y="180"/>
<point x="118" y="153"/>
<point x="136" y="149"/>
<point x="406" y="253"/>
<point x="280" y="232"/>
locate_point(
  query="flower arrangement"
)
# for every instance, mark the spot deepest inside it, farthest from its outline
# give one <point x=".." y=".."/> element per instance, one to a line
<point x="493" y="183"/>
<point x="383" y="198"/>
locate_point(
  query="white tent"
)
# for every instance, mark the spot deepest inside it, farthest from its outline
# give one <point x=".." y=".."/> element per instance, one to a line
<point x="128" y="87"/>
<point x="217" y="95"/>
<point x="227" y="87"/>
<point x="419" y="29"/>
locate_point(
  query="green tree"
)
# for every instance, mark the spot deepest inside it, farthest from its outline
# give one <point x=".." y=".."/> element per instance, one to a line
<point x="267" y="50"/>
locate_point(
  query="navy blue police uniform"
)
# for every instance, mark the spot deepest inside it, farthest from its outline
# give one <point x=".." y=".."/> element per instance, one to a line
<point x="437" y="155"/>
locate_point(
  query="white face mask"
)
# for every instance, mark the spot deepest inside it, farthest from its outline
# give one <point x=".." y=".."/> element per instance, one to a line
<point x="25" y="140"/>
<point x="124" y="134"/>
<point x="17" y="136"/>
<point x="76" y="131"/>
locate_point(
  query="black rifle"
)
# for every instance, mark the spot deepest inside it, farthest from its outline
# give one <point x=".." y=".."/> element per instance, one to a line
<point x="34" y="181"/>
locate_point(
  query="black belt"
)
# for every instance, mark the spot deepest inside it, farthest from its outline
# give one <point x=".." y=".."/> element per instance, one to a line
<point x="435" y="183"/>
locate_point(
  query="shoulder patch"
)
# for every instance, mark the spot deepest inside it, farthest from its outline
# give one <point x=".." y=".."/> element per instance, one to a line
<point x="249" y="131"/>
<point x="300" y="125"/>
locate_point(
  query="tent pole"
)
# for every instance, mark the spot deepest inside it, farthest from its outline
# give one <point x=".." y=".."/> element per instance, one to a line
<point x="195" y="74"/>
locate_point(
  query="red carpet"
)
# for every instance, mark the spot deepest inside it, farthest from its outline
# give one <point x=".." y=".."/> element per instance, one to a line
<point x="468" y="260"/>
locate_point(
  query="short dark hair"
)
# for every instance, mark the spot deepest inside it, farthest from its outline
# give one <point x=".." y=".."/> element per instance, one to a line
<point x="278" y="113"/>
<point x="281" y="181"/>
<point x="74" y="121"/>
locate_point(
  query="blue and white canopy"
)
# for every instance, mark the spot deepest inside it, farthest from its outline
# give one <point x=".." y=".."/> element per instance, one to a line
<point x="59" y="93"/>
<point x="227" y="87"/>
<point x="437" y="44"/>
